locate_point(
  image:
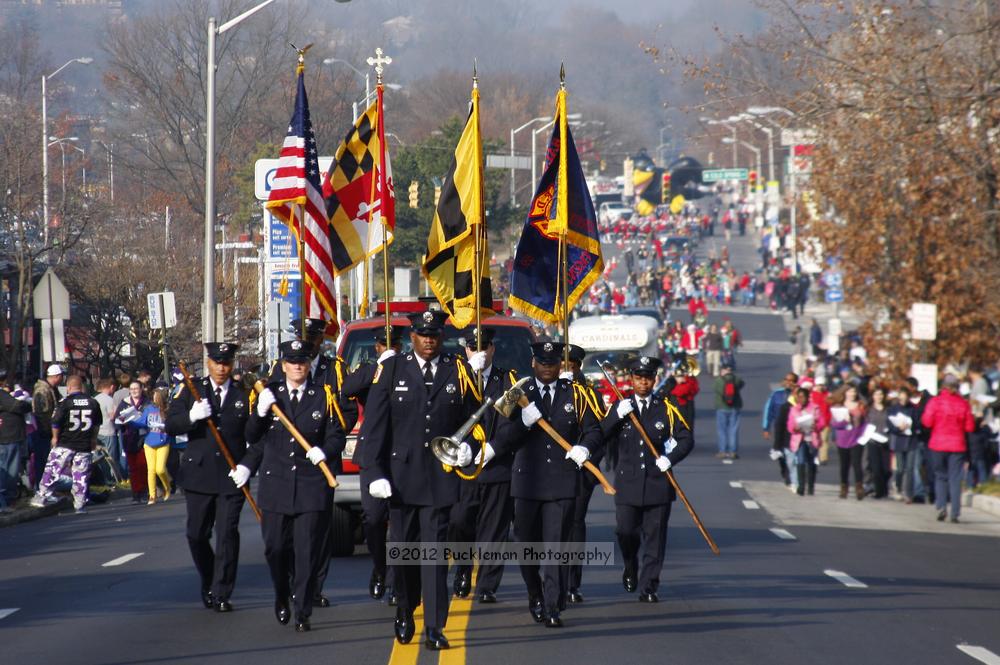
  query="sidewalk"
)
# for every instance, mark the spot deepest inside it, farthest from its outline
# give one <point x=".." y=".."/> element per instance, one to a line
<point x="23" y="511"/>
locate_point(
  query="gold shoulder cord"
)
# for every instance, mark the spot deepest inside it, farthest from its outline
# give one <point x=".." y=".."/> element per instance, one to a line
<point x="252" y="399"/>
<point x="332" y="407"/>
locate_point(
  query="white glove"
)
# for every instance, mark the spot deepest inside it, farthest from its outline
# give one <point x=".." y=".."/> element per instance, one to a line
<point x="264" y="402"/>
<point x="530" y="415"/>
<point x="464" y="454"/>
<point x="240" y="475"/>
<point x="388" y="353"/>
<point x="487" y="455"/>
<point x="625" y="407"/>
<point x="578" y="454"/>
<point x="568" y="375"/>
<point x="663" y="463"/>
<point x="477" y="361"/>
<point x="380" y="489"/>
<point x="200" y="410"/>
<point x="316" y="455"/>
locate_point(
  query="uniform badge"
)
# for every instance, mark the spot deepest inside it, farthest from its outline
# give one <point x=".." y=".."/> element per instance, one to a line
<point x="317" y="415"/>
<point x="669" y="445"/>
<point x="311" y="391"/>
<point x="238" y="404"/>
<point x="567" y="407"/>
<point x="450" y="388"/>
<point x="428" y="317"/>
<point x="644" y="361"/>
<point x="659" y="424"/>
<point x="548" y="347"/>
<point x="223" y="348"/>
<point x="378" y="373"/>
<point x="296" y="345"/>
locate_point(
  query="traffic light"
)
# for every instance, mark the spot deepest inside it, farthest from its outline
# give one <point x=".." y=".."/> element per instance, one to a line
<point x="753" y="180"/>
<point x="437" y="194"/>
<point x="665" y="191"/>
<point x="414" y="194"/>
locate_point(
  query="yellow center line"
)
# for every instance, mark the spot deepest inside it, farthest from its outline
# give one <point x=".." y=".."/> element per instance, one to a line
<point x="459" y="612"/>
<point x="407" y="654"/>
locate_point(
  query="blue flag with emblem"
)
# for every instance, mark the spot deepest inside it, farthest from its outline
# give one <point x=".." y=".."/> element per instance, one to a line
<point x="561" y="208"/>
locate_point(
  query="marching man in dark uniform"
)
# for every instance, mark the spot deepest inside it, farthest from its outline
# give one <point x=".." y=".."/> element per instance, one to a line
<point x="578" y="531"/>
<point x="643" y="495"/>
<point x="544" y="481"/>
<point x="293" y="494"/>
<point x="212" y="501"/>
<point x="414" y="398"/>
<point x="374" y="512"/>
<point x="485" y="509"/>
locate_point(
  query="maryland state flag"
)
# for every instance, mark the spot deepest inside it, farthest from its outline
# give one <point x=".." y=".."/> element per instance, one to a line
<point x="358" y="192"/>
<point x="450" y="263"/>
<point x="561" y="209"/>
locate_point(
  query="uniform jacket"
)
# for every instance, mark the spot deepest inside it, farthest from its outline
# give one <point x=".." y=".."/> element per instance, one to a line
<point x="401" y="419"/>
<point x="330" y="372"/>
<point x="540" y="470"/>
<point x="289" y="482"/>
<point x="637" y="480"/>
<point x="357" y="383"/>
<point x="202" y="467"/>
<point x="949" y="418"/>
<point x="500" y="432"/>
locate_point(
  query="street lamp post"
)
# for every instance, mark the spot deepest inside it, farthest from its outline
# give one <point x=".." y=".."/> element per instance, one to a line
<point x="574" y="117"/>
<point x="111" y="167"/>
<point x="365" y="75"/>
<point x="763" y="111"/>
<point x="45" y="144"/>
<point x="758" y="194"/>
<point x="728" y="125"/>
<point x="513" y="182"/>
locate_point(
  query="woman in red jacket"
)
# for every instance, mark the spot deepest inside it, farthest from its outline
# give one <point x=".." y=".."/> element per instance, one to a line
<point x="949" y="418"/>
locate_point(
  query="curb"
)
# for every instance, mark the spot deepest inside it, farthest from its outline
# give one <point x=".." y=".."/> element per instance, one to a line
<point x="986" y="503"/>
<point x="28" y="513"/>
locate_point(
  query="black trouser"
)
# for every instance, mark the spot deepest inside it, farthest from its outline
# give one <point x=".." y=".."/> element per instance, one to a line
<point x="325" y="553"/>
<point x="850" y="458"/>
<point x="550" y="522"/>
<point x="462" y="520"/>
<point x="217" y="568"/>
<point x="421" y="524"/>
<point x="578" y="530"/>
<point x="642" y="537"/>
<point x="375" y="521"/>
<point x="496" y="511"/>
<point x="880" y="463"/>
<point x="293" y="545"/>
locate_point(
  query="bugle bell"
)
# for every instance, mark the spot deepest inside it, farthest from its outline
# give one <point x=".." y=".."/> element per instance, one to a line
<point x="445" y="448"/>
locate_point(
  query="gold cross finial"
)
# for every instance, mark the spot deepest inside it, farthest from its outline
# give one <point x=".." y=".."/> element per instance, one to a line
<point x="379" y="62"/>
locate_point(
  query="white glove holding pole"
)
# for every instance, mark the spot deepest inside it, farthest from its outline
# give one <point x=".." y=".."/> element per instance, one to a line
<point x="200" y="410"/>
<point x="240" y="475"/>
<point x="477" y="361"/>
<point x="264" y="402"/>
<point x="388" y="353"/>
<point x="486" y="454"/>
<point x="530" y="415"/>
<point x="625" y="407"/>
<point x="316" y="455"/>
<point x="578" y="454"/>
<point x="567" y="375"/>
<point x="464" y="454"/>
<point x="663" y="463"/>
<point x="380" y="489"/>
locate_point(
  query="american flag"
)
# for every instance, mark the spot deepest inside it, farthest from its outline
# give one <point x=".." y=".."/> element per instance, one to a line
<point x="296" y="199"/>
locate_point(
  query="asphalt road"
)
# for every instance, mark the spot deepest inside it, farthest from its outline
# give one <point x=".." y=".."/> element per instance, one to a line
<point x="918" y="591"/>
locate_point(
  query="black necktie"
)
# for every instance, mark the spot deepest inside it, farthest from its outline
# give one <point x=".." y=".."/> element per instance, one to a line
<point x="547" y="398"/>
<point x="642" y="407"/>
<point x="295" y="398"/>
<point x="428" y="375"/>
<point x="218" y="396"/>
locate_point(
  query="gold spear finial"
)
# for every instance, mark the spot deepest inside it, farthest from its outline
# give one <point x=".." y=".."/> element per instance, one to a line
<point x="475" y="73"/>
<point x="562" y="76"/>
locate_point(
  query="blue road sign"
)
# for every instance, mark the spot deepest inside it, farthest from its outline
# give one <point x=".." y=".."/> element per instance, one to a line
<point x="281" y="242"/>
<point x="294" y="297"/>
<point x="834" y="294"/>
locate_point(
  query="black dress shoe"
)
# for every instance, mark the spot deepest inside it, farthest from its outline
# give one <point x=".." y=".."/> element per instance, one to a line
<point x="302" y="625"/>
<point x="537" y="610"/>
<point x="404" y="626"/>
<point x="629" y="581"/>
<point x="376" y="586"/>
<point x="487" y="597"/>
<point x="223" y="606"/>
<point x="463" y="584"/>
<point x="435" y="640"/>
<point x="281" y="612"/>
<point x="574" y="596"/>
<point x="391" y="598"/>
<point x="649" y="597"/>
<point x="206" y="598"/>
<point x="553" y="621"/>
<point x="319" y="600"/>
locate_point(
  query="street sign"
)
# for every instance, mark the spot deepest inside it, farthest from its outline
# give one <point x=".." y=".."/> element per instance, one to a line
<point x="508" y="162"/>
<point x="279" y="242"/>
<point x="834" y="294"/>
<point x="923" y="321"/>
<point x="53" y="334"/>
<point x="50" y="298"/>
<point x="834" y="279"/>
<point x="926" y="375"/>
<point x="715" y="175"/>
<point x="799" y="137"/>
<point x="162" y="313"/>
<point x="264" y="170"/>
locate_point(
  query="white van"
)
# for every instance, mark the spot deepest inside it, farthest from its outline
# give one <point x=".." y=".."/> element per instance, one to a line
<point x="612" y="338"/>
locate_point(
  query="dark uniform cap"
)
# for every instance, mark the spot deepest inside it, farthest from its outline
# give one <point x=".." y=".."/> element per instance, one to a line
<point x="314" y="327"/>
<point x="297" y="351"/>
<point x="221" y="352"/>
<point x="576" y="353"/>
<point x="427" y="323"/>
<point x="488" y="335"/>
<point x="394" y="332"/>
<point x="645" y="366"/>
<point x="547" y="353"/>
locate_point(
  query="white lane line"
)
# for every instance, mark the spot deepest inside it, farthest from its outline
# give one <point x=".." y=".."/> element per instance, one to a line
<point x="783" y="534"/>
<point x="751" y="505"/>
<point x="727" y="461"/>
<point x="982" y="654"/>
<point x="845" y="579"/>
<point x="6" y="612"/>
<point x="735" y="484"/>
<point x="122" y="559"/>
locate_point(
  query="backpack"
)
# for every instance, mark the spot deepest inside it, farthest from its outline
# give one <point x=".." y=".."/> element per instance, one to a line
<point x="729" y="391"/>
